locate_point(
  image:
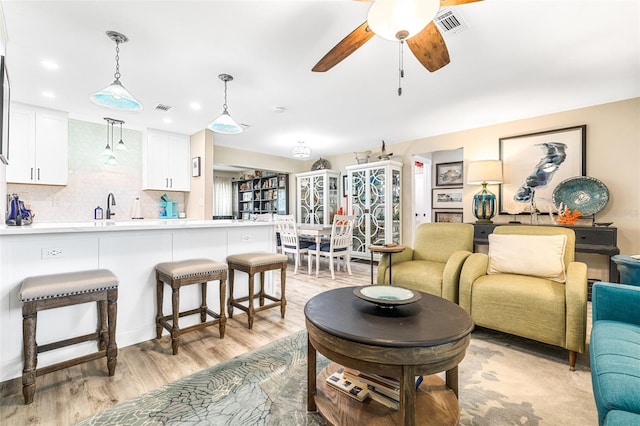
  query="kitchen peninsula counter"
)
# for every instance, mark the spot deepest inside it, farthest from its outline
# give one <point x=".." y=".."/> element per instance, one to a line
<point x="130" y="249"/>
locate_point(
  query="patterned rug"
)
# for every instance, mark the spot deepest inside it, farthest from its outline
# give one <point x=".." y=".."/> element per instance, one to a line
<point x="503" y="380"/>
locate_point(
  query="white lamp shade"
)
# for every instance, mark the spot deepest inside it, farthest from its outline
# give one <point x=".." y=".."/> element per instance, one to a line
<point x="115" y="96"/>
<point x="400" y="19"/>
<point x="225" y="124"/>
<point x="485" y="171"/>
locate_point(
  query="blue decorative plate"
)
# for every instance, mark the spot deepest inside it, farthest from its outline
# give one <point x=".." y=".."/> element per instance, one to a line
<point x="586" y="194"/>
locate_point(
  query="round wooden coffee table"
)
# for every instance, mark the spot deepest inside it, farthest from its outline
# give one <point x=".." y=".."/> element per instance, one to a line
<point x="422" y="338"/>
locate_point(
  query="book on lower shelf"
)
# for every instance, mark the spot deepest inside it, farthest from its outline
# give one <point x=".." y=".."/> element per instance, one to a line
<point x="383" y="399"/>
<point x="387" y="386"/>
<point x="352" y="387"/>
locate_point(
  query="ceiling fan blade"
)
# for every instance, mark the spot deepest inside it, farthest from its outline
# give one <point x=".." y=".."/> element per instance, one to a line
<point x="445" y="3"/>
<point x="429" y="48"/>
<point x="346" y="47"/>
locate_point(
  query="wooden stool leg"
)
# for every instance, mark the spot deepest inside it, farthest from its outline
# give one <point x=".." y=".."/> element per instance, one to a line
<point x="251" y="309"/>
<point x="261" y="294"/>
<point x="103" y="338"/>
<point x="283" y="299"/>
<point x="159" y="300"/>
<point x="29" y="319"/>
<point x="223" y="319"/>
<point x="230" y="300"/>
<point x="112" y="315"/>
<point x="203" y="302"/>
<point x="175" y="329"/>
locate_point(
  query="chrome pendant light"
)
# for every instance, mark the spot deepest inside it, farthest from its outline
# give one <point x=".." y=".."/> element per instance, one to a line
<point x="115" y="96"/>
<point x="109" y="150"/>
<point x="224" y="123"/>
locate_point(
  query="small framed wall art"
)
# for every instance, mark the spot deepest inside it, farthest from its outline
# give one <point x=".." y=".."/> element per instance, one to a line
<point x="195" y="166"/>
<point x="449" y="174"/>
<point x="447" y="216"/>
<point x="446" y="198"/>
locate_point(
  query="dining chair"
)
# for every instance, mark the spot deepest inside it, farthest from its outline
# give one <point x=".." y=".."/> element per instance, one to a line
<point x="339" y="246"/>
<point x="289" y="240"/>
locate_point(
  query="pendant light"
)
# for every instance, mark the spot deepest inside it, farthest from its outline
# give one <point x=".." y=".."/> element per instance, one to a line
<point x="109" y="152"/>
<point x="224" y="123"/>
<point x="301" y="150"/>
<point x="121" y="146"/>
<point x="115" y="96"/>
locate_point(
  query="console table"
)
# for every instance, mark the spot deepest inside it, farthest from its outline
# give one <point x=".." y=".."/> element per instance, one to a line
<point x="589" y="239"/>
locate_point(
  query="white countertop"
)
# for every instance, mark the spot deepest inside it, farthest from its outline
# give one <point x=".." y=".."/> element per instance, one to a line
<point x="116" y="225"/>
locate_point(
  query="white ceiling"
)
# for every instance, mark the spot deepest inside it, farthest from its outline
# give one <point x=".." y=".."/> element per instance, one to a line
<point x="518" y="59"/>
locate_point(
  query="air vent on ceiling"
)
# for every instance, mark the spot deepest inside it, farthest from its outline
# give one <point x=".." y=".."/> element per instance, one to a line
<point x="450" y="23"/>
<point x="164" y="108"/>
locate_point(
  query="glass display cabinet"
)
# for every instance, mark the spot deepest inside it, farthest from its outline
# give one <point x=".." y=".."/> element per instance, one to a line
<point x="318" y="196"/>
<point x="375" y="196"/>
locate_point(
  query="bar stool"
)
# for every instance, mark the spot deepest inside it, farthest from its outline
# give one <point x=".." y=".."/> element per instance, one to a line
<point x="182" y="273"/>
<point x="252" y="263"/>
<point x="55" y="291"/>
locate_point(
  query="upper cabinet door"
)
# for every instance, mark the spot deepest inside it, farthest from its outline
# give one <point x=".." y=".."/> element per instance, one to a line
<point x="166" y="161"/>
<point x="38" y="146"/>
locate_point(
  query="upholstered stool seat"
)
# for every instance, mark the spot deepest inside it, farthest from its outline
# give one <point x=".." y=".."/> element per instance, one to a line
<point x="182" y="273"/>
<point x="251" y="264"/>
<point x="43" y="292"/>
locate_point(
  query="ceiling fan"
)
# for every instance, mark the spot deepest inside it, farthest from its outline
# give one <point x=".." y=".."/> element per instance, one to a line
<point x="403" y="20"/>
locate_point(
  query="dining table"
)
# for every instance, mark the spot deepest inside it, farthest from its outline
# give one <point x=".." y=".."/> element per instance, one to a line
<point x="318" y="232"/>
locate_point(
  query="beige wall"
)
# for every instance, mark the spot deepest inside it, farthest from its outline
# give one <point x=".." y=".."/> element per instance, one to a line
<point x="613" y="154"/>
<point x="199" y="200"/>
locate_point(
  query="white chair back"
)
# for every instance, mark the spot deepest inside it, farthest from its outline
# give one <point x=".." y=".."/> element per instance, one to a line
<point x="289" y="241"/>
<point x="342" y="233"/>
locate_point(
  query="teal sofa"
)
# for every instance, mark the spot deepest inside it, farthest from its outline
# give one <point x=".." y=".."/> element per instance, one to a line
<point x="615" y="353"/>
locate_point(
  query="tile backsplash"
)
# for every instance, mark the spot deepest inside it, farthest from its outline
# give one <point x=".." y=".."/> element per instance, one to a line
<point x="90" y="180"/>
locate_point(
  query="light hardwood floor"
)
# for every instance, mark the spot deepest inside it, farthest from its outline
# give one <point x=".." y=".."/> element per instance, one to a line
<point x="67" y="396"/>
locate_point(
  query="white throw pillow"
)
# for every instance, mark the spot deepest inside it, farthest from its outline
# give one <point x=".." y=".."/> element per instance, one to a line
<point x="534" y="255"/>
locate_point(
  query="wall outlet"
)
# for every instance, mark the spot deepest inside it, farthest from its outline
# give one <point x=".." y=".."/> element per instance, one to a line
<point x="246" y="238"/>
<point x="49" y="253"/>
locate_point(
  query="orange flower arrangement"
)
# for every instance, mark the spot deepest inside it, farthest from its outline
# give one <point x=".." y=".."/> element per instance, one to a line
<point x="567" y="217"/>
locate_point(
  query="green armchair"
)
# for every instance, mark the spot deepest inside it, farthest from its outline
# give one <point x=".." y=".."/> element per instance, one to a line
<point x="525" y="300"/>
<point x="433" y="265"/>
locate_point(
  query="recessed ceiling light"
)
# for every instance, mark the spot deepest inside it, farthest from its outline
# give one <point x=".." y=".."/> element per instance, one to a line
<point x="48" y="95"/>
<point x="167" y="120"/>
<point x="48" y="64"/>
<point x="195" y="105"/>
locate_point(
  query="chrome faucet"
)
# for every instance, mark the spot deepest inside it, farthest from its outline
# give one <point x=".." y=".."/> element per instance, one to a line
<point x="111" y="201"/>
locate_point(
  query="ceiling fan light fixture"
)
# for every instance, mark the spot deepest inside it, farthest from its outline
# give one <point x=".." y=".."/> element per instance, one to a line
<point x="115" y="96"/>
<point x="401" y="19"/>
<point x="224" y="123"/>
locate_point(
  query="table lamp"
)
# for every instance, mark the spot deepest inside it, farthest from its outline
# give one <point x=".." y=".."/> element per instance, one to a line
<point x="483" y="173"/>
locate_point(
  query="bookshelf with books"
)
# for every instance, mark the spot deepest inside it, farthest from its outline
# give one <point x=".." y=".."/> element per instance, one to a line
<point x="267" y="193"/>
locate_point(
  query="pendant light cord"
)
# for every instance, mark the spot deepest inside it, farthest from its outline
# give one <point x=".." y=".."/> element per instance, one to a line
<point x="400" y="67"/>
<point x="224" y="106"/>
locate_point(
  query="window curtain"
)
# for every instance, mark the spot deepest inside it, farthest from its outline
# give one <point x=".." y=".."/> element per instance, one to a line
<point x="223" y="196"/>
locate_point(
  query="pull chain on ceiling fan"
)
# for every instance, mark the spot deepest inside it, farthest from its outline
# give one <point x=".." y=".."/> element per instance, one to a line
<point x="403" y="20"/>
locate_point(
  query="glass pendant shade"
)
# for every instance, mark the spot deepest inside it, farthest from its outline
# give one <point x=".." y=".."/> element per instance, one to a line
<point x="483" y="173"/>
<point x="401" y="19"/>
<point x="115" y="96"/>
<point x="225" y="124"/>
<point x="108" y="152"/>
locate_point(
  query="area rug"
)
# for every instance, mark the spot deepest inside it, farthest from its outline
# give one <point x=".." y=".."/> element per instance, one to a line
<point x="503" y="380"/>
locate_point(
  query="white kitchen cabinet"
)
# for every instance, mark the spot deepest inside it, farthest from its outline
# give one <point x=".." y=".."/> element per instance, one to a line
<point x="317" y="196"/>
<point x="166" y="161"/>
<point x="38" y="145"/>
<point x="375" y="199"/>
